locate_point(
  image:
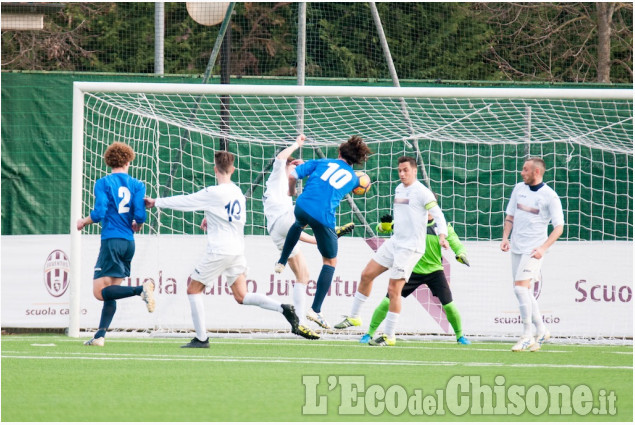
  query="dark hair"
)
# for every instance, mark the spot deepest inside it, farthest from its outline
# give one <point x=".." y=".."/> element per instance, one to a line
<point x="354" y="151"/>
<point x="118" y="154"/>
<point x="290" y="159"/>
<point x="407" y="159"/>
<point x="224" y="161"/>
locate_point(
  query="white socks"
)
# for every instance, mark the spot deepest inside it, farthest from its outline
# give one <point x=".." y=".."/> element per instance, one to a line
<point x="391" y="324"/>
<point x="536" y="317"/>
<point x="299" y="300"/>
<point x="198" y="315"/>
<point x="525" y="305"/>
<point x="358" y="301"/>
<point x="262" y="301"/>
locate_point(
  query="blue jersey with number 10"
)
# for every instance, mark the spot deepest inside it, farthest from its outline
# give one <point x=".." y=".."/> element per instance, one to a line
<point x="118" y="201"/>
<point x="329" y="181"/>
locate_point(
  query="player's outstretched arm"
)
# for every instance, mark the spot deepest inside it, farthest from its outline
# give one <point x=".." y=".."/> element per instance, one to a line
<point x="149" y="202"/>
<point x="457" y="246"/>
<point x="286" y="153"/>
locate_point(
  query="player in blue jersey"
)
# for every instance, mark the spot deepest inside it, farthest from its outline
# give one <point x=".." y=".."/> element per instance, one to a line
<point x="120" y="208"/>
<point x="329" y="180"/>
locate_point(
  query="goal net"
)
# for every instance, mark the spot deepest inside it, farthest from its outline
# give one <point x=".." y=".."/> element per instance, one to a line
<point x="470" y="144"/>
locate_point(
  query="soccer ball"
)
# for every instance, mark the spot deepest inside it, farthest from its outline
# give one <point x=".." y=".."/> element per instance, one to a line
<point x="364" y="183"/>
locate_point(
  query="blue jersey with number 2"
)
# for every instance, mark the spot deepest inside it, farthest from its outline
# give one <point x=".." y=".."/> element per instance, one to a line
<point x="329" y="181"/>
<point x="118" y="201"/>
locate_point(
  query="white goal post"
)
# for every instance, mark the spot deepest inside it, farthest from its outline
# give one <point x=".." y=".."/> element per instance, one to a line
<point x="469" y="143"/>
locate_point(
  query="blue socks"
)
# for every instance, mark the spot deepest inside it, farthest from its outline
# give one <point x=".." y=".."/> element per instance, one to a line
<point x="323" y="285"/>
<point x="107" y="313"/>
<point x="110" y="294"/>
<point x="115" y="292"/>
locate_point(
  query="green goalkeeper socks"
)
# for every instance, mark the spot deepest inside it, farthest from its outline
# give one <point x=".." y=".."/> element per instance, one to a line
<point x="454" y="318"/>
<point x="381" y="311"/>
<point x="379" y="315"/>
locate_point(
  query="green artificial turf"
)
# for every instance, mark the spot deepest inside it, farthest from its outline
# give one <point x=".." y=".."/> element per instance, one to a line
<point x="56" y="378"/>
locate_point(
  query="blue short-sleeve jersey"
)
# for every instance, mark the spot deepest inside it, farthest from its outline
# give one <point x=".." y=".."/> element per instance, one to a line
<point x="118" y="201"/>
<point x="329" y="181"/>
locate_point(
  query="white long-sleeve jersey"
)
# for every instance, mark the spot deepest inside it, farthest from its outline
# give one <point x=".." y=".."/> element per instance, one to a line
<point x="225" y="210"/>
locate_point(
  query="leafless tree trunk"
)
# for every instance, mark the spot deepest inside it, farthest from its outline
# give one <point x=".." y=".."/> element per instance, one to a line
<point x="604" y="20"/>
<point x="560" y="41"/>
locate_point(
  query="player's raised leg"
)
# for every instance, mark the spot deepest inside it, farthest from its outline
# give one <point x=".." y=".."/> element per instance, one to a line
<point x="293" y="236"/>
<point x="109" y="290"/>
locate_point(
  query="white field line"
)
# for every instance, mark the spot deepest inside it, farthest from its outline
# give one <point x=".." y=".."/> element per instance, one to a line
<point x="292" y="360"/>
<point x="402" y="345"/>
<point x="399" y="346"/>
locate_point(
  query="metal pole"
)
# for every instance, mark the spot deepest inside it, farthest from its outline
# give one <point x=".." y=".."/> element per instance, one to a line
<point x="225" y="70"/>
<point x="159" y="37"/>
<point x="395" y="81"/>
<point x="301" y="62"/>
<point x="527" y="130"/>
<point x="219" y="41"/>
<point x="185" y="138"/>
<point x="300" y="70"/>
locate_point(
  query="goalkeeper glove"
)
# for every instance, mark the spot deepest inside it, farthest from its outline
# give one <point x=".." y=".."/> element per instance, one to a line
<point x="345" y="229"/>
<point x="386" y="224"/>
<point x="462" y="258"/>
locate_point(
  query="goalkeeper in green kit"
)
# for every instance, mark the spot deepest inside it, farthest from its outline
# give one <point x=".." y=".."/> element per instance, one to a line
<point x="428" y="271"/>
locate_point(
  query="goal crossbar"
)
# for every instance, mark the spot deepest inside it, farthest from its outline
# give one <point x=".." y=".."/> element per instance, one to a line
<point x="357" y="91"/>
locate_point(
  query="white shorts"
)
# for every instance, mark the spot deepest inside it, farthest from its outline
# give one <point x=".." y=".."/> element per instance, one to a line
<point x="400" y="261"/>
<point x="279" y="232"/>
<point x="213" y="265"/>
<point x="525" y="267"/>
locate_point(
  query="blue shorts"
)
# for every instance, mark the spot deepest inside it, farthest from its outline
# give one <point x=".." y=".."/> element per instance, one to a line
<point x="115" y="256"/>
<point x="324" y="235"/>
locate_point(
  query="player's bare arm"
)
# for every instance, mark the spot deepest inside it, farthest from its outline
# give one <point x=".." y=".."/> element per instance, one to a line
<point x="83" y="222"/>
<point x="292" y="182"/>
<point x="553" y="236"/>
<point x="507" y="230"/>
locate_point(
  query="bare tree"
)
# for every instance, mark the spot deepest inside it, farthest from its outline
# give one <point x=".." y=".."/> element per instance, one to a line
<point x="560" y="41"/>
<point x="58" y="46"/>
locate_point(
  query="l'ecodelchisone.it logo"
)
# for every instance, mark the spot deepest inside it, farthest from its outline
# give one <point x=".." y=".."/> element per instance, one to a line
<point x="57" y="270"/>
